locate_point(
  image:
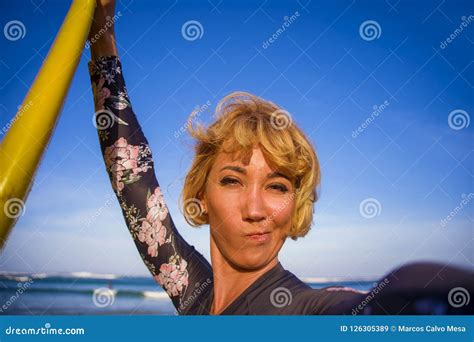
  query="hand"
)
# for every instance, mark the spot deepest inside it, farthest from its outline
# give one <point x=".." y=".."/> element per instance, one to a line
<point x="101" y="34"/>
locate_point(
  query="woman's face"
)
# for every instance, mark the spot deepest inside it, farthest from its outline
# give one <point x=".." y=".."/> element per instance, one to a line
<point x="250" y="210"/>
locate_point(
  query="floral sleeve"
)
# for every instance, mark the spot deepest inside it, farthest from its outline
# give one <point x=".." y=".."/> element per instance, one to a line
<point x="175" y="265"/>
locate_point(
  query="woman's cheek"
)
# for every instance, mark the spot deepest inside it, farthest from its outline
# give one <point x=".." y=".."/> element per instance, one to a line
<point x="282" y="213"/>
<point x="282" y="206"/>
<point x="226" y="224"/>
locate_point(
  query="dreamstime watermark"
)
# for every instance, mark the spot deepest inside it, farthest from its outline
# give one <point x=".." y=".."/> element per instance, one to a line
<point x="370" y="30"/>
<point x="198" y="110"/>
<point x="370" y="296"/>
<point x="21" y="110"/>
<point x="377" y="110"/>
<point x="109" y="23"/>
<point x="22" y="287"/>
<point x="192" y="30"/>
<point x="192" y="208"/>
<point x="14" y="30"/>
<point x="458" y="119"/>
<point x="465" y="22"/>
<point x="281" y="119"/>
<point x="280" y="297"/>
<point x="370" y="208"/>
<point x="88" y="222"/>
<point x="103" y="297"/>
<point x="286" y="24"/>
<point x="46" y="330"/>
<point x="14" y="208"/>
<point x="103" y="119"/>
<point x="458" y="297"/>
<point x="199" y="288"/>
<point x="464" y="201"/>
<point x="282" y="206"/>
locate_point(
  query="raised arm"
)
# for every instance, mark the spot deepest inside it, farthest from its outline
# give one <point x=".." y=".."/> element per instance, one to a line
<point x="175" y="265"/>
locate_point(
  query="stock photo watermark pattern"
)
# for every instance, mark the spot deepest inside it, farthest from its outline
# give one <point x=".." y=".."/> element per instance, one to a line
<point x="47" y="330"/>
<point x="110" y="21"/>
<point x="281" y="119"/>
<point x="192" y="30"/>
<point x="19" y="114"/>
<point x="288" y="21"/>
<point x="459" y="119"/>
<point x="198" y="111"/>
<point x="381" y="90"/>
<point x="465" y="199"/>
<point x="14" y="30"/>
<point x="370" y="208"/>
<point x="281" y="297"/>
<point x="103" y="297"/>
<point x="193" y="208"/>
<point x="377" y="110"/>
<point x="459" y="297"/>
<point x="370" y="296"/>
<point x="14" y="208"/>
<point x="465" y="21"/>
<point x="370" y="30"/>
<point x="22" y="287"/>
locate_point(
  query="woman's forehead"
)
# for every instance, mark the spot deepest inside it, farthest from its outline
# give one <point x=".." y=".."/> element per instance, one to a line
<point x="244" y="157"/>
<point x="253" y="161"/>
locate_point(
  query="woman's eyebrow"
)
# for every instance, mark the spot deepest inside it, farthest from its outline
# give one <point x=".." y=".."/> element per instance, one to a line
<point x="277" y="174"/>
<point x="239" y="169"/>
<point x="235" y="168"/>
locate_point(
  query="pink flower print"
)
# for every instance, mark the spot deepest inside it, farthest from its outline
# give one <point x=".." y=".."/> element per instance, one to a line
<point x="121" y="156"/>
<point x="153" y="234"/>
<point x="117" y="183"/>
<point x="173" y="277"/>
<point x="101" y="94"/>
<point x="156" y="206"/>
<point x="122" y="160"/>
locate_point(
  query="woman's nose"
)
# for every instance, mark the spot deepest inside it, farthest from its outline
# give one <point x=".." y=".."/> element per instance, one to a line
<point x="253" y="205"/>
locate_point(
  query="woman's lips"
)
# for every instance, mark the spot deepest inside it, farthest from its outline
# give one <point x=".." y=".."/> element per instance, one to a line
<point x="262" y="237"/>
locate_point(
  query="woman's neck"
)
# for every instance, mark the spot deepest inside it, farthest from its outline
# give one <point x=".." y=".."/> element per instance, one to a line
<point x="230" y="282"/>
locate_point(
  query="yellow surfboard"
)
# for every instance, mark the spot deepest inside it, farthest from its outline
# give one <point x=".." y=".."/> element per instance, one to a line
<point x="31" y="129"/>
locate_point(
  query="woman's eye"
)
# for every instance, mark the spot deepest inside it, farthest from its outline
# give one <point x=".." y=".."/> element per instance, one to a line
<point x="227" y="180"/>
<point x="279" y="187"/>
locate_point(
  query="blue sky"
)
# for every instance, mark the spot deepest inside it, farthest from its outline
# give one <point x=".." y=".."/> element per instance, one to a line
<point x="323" y="69"/>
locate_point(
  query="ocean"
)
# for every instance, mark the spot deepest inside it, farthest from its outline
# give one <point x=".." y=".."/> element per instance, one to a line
<point x="89" y="294"/>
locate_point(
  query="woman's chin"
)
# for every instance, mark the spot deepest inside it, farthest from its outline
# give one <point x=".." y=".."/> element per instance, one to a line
<point x="251" y="262"/>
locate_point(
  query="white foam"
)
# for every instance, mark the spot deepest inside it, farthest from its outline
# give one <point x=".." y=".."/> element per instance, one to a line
<point x="93" y="275"/>
<point x="155" y="294"/>
<point x="21" y="279"/>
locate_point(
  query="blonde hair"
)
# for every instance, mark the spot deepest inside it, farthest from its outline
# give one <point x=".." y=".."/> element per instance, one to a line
<point x="244" y="121"/>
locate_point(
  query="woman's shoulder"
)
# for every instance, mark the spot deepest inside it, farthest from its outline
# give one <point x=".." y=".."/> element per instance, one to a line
<point x="283" y="293"/>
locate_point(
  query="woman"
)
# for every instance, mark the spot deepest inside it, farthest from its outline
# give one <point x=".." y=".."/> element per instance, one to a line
<point x="253" y="180"/>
